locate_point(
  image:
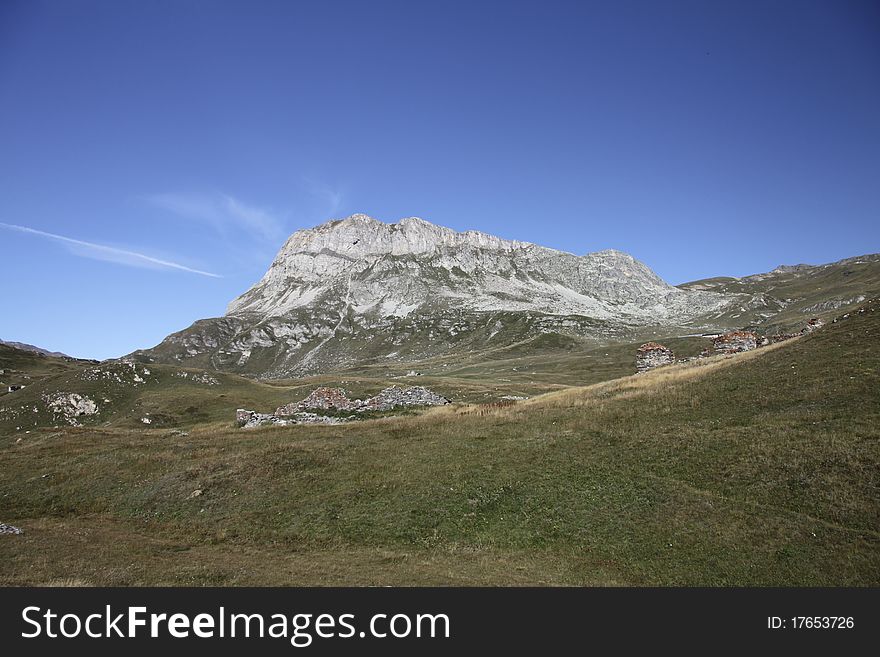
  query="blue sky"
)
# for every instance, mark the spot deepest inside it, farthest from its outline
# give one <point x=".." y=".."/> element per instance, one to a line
<point x="174" y="145"/>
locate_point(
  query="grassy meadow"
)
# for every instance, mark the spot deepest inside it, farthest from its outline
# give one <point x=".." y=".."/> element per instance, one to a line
<point x="755" y="469"/>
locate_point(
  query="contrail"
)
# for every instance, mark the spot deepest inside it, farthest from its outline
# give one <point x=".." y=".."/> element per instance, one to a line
<point x="110" y="250"/>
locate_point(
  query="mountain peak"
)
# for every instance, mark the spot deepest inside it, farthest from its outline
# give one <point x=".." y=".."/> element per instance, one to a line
<point x="361" y="266"/>
<point x="361" y="236"/>
<point x="355" y="218"/>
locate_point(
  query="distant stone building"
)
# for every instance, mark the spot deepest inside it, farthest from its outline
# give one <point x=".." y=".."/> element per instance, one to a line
<point x="651" y="355"/>
<point x="735" y="342"/>
<point x="394" y="396"/>
<point x="323" y="398"/>
<point x="813" y="325"/>
<point x="336" y="399"/>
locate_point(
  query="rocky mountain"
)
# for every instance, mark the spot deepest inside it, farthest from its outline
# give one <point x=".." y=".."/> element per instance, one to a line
<point x="383" y="270"/>
<point x="360" y="291"/>
<point x="37" y="350"/>
<point x="784" y="298"/>
<point x="355" y="290"/>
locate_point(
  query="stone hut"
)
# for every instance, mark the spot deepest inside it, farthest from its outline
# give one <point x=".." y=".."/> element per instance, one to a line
<point x="651" y="355"/>
<point x="393" y="397"/>
<point x="813" y="325"/>
<point x="735" y="342"/>
<point x="323" y="398"/>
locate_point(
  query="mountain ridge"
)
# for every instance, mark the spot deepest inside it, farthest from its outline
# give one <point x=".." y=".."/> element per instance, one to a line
<point x="358" y="291"/>
<point x="510" y="275"/>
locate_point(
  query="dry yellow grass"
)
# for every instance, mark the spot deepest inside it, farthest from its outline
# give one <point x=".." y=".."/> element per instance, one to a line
<point x="652" y="382"/>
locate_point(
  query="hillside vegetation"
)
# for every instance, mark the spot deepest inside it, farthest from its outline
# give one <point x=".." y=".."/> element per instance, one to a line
<point x="760" y="468"/>
<point x="19" y="367"/>
<point x="782" y="300"/>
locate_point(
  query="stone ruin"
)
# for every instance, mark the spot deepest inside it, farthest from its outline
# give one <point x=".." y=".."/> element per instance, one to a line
<point x="408" y="396"/>
<point x="336" y="399"/>
<point x="735" y="342"/>
<point x="249" y="419"/>
<point x="813" y="324"/>
<point x="324" y="399"/>
<point x="651" y="355"/>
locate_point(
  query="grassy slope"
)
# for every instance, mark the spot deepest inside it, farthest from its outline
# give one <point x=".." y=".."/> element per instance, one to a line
<point x="756" y="469"/>
<point x="800" y="290"/>
<point x="171" y="401"/>
<point x="21" y="367"/>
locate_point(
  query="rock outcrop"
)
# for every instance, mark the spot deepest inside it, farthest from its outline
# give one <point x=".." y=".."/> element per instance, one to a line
<point x="69" y="407"/>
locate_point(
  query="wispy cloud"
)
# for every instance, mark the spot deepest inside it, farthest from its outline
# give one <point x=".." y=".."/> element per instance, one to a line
<point x="222" y="212"/>
<point x="109" y="253"/>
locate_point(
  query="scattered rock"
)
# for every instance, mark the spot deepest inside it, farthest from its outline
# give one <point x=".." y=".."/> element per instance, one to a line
<point x="195" y="493"/>
<point x="9" y="529"/>
<point x="198" y="377"/>
<point x="833" y="304"/>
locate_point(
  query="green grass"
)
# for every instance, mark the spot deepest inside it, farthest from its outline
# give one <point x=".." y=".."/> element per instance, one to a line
<point x="21" y="367"/>
<point x="798" y="292"/>
<point x="757" y="469"/>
